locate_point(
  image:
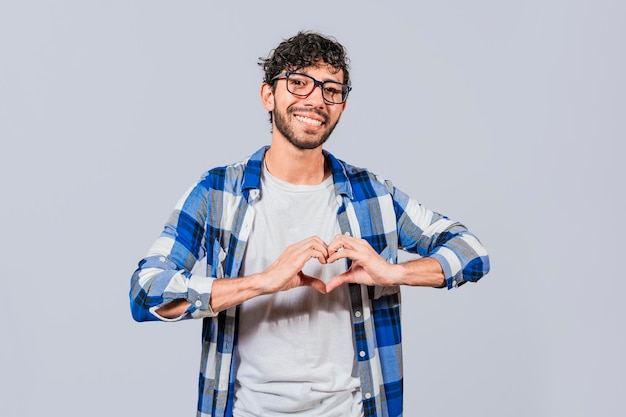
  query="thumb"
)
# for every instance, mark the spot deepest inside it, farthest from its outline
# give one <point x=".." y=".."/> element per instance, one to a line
<point x="337" y="281"/>
<point x="312" y="282"/>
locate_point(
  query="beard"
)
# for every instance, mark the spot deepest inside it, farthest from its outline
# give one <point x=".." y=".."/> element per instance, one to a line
<point x="306" y="140"/>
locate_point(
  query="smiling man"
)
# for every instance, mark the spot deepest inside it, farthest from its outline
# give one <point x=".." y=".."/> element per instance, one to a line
<point x="290" y="258"/>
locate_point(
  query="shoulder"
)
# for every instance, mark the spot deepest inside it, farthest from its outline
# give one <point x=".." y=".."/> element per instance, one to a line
<point x="364" y="182"/>
<point x="233" y="178"/>
<point x="223" y="176"/>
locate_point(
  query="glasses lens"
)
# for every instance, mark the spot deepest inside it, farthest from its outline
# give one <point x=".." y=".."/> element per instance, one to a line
<point x="334" y="92"/>
<point x="302" y="85"/>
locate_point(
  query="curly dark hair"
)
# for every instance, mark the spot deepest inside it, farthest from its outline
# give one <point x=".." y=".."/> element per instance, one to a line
<point x="303" y="50"/>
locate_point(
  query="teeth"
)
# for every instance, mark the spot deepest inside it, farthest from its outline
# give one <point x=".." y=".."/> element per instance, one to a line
<point x="308" y="120"/>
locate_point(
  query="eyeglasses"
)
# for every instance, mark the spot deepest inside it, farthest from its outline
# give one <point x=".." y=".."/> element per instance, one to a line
<point x="302" y="85"/>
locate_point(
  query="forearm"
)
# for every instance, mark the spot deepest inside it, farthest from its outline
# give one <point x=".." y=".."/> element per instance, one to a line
<point x="423" y="272"/>
<point x="230" y="292"/>
<point x="283" y="274"/>
<point x="225" y="293"/>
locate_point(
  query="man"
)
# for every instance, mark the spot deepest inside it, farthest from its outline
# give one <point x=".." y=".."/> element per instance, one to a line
<point x="289" y="257"/>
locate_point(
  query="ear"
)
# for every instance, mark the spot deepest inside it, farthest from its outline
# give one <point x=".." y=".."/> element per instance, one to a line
<point x="267" y="96"/>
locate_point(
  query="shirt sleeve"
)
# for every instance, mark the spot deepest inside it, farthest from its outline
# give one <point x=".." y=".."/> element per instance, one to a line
<point x="170" y="269"/>
<point x="462" y="256"/>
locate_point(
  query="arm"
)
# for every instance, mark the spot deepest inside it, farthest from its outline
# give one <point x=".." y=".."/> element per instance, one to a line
<point x="369" y="268"/>
<point x="432" y="235"/>
<point x="451" y="255"/>
<point x="164" y="275"/>
<point x="283" y="274"/>
<point x="164" y="287"/>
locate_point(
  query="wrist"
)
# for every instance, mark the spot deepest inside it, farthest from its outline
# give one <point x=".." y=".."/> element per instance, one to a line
<point x="257" y="284"/>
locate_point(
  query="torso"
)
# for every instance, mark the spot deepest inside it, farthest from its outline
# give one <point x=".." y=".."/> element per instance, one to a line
<point x="295" y="348"/>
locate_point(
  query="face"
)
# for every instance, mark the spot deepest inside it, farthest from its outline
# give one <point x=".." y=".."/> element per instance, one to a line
<point x="305" y="122"/>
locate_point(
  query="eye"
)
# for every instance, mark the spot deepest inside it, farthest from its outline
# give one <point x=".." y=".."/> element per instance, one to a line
<point x="298" y="81"/>
<point x="332" y="90"/>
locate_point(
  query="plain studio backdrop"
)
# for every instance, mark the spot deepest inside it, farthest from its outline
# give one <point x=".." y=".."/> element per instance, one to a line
<point x="506" y="115"/>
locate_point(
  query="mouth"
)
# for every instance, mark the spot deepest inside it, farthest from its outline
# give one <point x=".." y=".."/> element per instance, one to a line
<point x="309" y="121"/>
<point x="313" y="118"/>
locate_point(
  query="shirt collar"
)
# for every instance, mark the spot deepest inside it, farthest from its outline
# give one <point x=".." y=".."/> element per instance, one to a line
<point x="340" y="176"/>
<point x="252" y="175"/>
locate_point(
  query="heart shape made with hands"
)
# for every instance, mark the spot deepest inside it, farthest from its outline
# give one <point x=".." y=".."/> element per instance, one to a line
<point x="367" y="267"/>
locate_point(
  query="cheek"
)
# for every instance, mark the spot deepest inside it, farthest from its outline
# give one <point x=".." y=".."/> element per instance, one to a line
<point x="281" y="104"/>
<point x="336" y="115"/>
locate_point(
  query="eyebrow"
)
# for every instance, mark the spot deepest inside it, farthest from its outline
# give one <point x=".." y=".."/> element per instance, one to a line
<point x="324" y="80"/>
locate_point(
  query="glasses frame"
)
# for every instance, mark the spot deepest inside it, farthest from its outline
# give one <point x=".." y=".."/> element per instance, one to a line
<point x="286" y="75"/>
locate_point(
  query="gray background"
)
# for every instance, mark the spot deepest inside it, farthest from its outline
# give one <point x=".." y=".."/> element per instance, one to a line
<point x="508" y="116"/>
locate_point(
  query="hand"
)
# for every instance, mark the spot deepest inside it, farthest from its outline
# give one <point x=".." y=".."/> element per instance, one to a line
<point x="367" y="268"/>
<point x="286" y="272"/>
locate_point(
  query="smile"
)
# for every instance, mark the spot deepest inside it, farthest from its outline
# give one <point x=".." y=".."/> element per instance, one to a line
<point x="309" y="121"/>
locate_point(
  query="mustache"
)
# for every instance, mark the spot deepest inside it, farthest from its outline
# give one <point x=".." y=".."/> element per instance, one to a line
<point x="318" y="112"/>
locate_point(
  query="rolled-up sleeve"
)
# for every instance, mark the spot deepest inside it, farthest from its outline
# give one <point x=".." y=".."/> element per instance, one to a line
<point x="462" y="256"/>
<point x="167" y="272"/>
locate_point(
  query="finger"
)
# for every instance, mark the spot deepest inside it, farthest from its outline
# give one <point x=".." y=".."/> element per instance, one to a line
<point x="340" y="254"/>
<point x="346" y="253"/>
<point x="315" y="240"/>
<point x="337" y="281"/>
<point x="337" y="248"/>
<point x="303" y="251"/>
<point x="321" y="256"/>
<point x="339" y="242"/>
<point x="313" y="282"/>
<point x="316" y="245"/>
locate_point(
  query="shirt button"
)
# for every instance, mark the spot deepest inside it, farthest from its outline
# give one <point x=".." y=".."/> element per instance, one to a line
<point x="390" y="260"/>
<point x="347" y="233"/>
<point x="357" y="314"/>
<point x="198" y="303"/>
<point x="162" y="258"/>
<point x="368" y="395"/>
<point x="362" y="353"/>
<point x="454" y="282"/>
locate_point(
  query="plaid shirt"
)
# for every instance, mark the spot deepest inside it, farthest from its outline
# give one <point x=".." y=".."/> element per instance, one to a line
<point x="205" y="239"/>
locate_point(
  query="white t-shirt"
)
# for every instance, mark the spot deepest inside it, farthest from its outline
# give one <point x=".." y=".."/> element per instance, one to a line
<point x="295" y="348"/>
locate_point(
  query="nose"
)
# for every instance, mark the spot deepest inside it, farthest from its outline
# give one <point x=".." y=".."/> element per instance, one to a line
<point x="315" y="97"/>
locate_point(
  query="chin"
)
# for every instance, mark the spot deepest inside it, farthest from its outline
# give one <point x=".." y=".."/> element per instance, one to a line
<point x="306" y="145"/>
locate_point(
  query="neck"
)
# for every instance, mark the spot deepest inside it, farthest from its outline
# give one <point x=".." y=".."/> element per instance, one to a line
<point x="297" y="166"/>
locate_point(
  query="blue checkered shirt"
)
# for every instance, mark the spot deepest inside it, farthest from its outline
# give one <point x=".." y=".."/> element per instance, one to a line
<point x="205" y="239"/>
